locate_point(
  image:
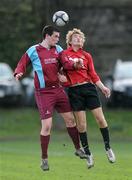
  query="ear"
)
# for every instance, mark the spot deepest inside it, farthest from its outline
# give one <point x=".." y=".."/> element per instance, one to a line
<point x="47" y="35"/>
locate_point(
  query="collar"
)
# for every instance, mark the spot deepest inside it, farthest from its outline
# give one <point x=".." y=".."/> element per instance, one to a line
<point x="47" y="48"/>
<point x="71" y="49"/>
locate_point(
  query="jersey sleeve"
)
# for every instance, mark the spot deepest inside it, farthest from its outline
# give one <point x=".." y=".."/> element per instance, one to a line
<point x="91" y="70"/>
<point x="65" y="62"/>
<point x="22" y="64"/>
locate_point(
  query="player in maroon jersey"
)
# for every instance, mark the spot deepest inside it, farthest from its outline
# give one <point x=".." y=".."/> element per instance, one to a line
<point x="49" y="93"/>
<point x="83" y="94"/>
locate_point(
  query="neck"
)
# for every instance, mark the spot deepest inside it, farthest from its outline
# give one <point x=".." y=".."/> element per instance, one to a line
<point x="76" y="48"/>
<point x="45" y="44"/>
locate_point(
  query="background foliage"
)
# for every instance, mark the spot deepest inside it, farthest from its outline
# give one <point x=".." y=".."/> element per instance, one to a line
<point x="106" y="24"/>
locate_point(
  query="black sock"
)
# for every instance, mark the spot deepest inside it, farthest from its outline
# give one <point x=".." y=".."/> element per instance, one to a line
<point x="84" y="142"/>
<point x="106" y="138"/>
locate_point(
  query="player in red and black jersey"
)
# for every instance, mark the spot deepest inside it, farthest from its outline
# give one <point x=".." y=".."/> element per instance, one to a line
<point x="83" y="94"/>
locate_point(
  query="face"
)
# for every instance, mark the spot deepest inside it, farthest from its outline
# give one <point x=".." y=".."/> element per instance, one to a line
<point x="77" y="40"/>
<point x="53" y="39"/>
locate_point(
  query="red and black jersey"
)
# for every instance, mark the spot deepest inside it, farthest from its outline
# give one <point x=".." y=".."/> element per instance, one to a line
<point x="86" y="74"/>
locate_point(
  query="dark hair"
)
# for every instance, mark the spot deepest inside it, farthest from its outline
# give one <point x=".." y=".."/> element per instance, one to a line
<point x="49" y="30"/>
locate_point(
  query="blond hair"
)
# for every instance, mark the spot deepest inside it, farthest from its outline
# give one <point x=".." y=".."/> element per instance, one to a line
<point x="70" y="34"/>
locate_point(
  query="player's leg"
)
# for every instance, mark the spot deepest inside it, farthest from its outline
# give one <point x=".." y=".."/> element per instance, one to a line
<point x="78" y="105"/>
<point x="44" y="139"/>
<point x="63" y="107"/>
<point x="82" y="128"/>
<point x="77" y="101"/>
<point x="45" y="108"/>
<point x="101" y="121"/>
<point x="73" y="132"/>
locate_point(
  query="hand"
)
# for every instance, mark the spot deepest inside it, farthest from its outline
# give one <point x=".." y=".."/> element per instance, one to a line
<point x="106" y="91"/>
<point x="79" y="64"/>
<point x="18" y="76"/>
<point x="62" y="78"/>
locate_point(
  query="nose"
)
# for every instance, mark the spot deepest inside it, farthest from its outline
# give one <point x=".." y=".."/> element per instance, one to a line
<point x="57" y="40"/>
<point x="78" y="39"/>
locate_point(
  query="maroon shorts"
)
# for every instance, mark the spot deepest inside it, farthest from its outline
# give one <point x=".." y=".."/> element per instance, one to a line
<point x="50" y="99"/>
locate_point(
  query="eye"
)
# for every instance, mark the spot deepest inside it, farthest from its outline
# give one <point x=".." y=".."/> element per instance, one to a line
<point x="56" y="36"/>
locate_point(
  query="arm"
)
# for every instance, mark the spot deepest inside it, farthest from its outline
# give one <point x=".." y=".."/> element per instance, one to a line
<point x="21" y="66"/>
<point x="68" y="64"/>
<point x="61" y="75"/>
<point x="95" y="78"/>
<point x="62" y="78"/>
<point x="91" y="70"/>
<point x="103" y="88"/>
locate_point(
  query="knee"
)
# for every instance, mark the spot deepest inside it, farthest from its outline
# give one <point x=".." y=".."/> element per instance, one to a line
<point x="70" y="122"/>
<point x="81" y="127"/>
<point x="45" y="130"/>
<point x="101" y="121"/>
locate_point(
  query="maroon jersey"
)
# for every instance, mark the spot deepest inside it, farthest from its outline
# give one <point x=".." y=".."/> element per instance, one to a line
<point x="45" y="65"/>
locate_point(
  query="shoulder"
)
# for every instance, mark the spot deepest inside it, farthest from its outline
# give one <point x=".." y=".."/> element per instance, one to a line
<point x="31" y="49"/>
<point x="59" y="48"/>
<point x="66" y="51"/>
<point x="87" y="54"/>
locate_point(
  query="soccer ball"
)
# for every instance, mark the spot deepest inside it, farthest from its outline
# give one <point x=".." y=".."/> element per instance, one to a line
<point x="60" y="18"/>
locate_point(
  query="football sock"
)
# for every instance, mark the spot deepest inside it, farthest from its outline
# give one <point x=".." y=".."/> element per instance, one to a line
<point x="84" y="142"/>
<point x="73" y="133"/>
<point x="106" y="138"/>
<point x="44" y="145"/>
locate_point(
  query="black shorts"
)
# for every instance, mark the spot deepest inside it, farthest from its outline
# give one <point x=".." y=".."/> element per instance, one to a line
<point x="84" y="97"/>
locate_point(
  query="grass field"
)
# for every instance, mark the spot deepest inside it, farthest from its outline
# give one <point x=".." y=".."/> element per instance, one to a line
<point x="20" y="160"/>
<point x="20" y="149"/>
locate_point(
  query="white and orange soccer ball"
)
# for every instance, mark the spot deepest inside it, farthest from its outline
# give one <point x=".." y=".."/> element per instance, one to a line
<point x="60" y="18"/>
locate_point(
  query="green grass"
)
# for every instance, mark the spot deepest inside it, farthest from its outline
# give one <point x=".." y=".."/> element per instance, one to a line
<point x="19" y="122"/>
<point x="20" y="148"/>
<point x="22" y="122"/>
<point x="20" y="160"/>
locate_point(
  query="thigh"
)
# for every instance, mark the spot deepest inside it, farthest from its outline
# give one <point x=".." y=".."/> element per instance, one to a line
<point x="92" y="102"/>
<point x="81" y="119"/>
<point x="92" y="98"/>
<point x="76" y="99"/>
<point x="97" y="112"/>
<point x="62" y="102"/>
<point x="99" y="116"/>
<point x="45" y="103"/>
<point x="69" y="119"/>
<point x="80" y="116"/>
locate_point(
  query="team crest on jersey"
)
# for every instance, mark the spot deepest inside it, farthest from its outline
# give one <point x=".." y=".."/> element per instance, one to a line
<point x="50" y="60"/>
<point x="83" y="57"/>
<point x="47" y="112"/>
<point x="75" y="59"/>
